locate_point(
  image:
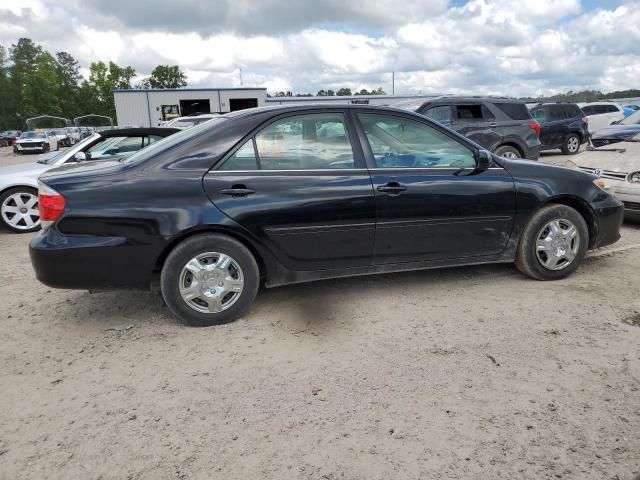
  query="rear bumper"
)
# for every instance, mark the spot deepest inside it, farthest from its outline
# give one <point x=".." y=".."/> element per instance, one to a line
<point x="88" y="262"/>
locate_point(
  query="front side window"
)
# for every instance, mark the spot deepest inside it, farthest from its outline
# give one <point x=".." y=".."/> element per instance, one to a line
<point x="539" y="114"/>
<point x="556" y="112"/>
<point x="398" y="142"/>
<point x="441" y="114"/>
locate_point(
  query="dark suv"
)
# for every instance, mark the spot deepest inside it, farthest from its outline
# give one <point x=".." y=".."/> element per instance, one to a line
<point x="501" y="125"/>
<point x="564" y="126"/>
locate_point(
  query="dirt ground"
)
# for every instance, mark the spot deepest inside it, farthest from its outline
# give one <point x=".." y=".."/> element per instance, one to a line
<point x="466" y="373"/>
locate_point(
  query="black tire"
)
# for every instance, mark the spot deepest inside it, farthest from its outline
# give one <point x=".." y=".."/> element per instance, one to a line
<point x="57" y="146"/>
<point x="192" y="247"/>
<point x="508" y="151"/>
<point x="571" y="144"/>
<point x="46" y="147"/>
<point x="8" y="193"/>
<point x="527" y="259"/>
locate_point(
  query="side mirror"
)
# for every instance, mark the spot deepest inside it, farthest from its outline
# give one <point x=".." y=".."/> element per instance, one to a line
<point x="484" y="159"/>
<point x="80" y="156"/>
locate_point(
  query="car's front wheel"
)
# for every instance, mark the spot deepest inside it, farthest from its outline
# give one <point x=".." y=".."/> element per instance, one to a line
<point x="209" y="279"/>
<point x="19" y="210"/>
<point x="571" y="145"/>
<point x="507" y="151"/>
<point x="553" y="244"/>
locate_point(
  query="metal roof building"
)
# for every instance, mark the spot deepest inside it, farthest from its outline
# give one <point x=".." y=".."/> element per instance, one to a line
<point x="151" y="107"/>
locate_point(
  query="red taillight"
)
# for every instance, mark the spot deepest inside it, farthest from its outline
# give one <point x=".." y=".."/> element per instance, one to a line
<point x="535" y="126"/>
<point x="50" y="204"/>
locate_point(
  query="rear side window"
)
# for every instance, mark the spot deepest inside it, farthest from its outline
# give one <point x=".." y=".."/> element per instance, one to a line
<point x="612" y="109"/>
<point x="556" y="113"/>
<point x="515" y="111"/>
<point x="302" y="142"/>
<point x="472" y="113"/>
<point x="572" y="111"/>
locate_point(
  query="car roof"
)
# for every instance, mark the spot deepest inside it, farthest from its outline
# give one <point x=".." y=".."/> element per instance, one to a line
<point x="249" y="112"/>
<point x="139" y="132"/>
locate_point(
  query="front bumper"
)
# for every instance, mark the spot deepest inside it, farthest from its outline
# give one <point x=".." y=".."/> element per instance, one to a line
<point x="609" y="214"/>
<point x="28" y="148"/>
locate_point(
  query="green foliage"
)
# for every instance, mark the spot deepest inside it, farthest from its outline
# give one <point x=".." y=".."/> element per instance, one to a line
<point x="584" y="96"/>
<point x="165" y="76"/>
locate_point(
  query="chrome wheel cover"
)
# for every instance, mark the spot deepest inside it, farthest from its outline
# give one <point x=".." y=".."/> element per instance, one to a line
<point x="511" y="155"/>
<point x="211" y="282"/>
<point x="20" y="211"/>
<point x="557" y="244"/>
<point x="573" y="144"/>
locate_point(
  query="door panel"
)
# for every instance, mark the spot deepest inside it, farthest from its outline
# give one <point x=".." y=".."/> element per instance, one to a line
<point x="442" y="215"/>
<point x="447" y="210"/>
<point x="298" y="187"/>
<point x="310" y="220"/>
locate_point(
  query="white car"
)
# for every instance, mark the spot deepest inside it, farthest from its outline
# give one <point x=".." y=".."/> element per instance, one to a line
<point x="35" y="142"/>
<point x="19" y="183"/>
<point x="62" y="136"/>
<point x="601" y="114"/>
<point x="618" y="165"/>
<point x="74" y="134"/>
<point x="187" y="122"/>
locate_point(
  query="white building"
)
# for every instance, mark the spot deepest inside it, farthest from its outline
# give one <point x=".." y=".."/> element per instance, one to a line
<point x="150" y="107"/>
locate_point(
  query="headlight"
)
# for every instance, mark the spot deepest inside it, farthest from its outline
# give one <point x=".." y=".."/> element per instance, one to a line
<point x="634" y="177"/>
<point x="601" y="184"/>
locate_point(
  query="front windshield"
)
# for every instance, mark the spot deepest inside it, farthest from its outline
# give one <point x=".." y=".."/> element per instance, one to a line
<point x="33" y="135"/>
<point x="68" y="153"/>
<point x="172" y="140"/>
<point x="184" y="123"/>
<point x="632" y="119"/>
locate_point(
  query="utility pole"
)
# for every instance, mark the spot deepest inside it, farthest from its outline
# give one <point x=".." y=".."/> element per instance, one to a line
<point x="393" y="83"/>
<point x="241" y="77"/>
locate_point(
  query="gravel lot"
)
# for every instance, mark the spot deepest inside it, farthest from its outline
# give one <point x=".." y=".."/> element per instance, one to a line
<point x="472" y="373"/>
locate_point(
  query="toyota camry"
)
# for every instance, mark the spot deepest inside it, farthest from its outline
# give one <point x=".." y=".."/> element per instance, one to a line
<point x="281" y="195"/>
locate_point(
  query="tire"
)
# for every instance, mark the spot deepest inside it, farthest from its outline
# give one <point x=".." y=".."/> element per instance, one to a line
<point x="46" y="148"/>
<point x="531" y="261"/>
<point x="204" y="252"/>
<point x="508" y="151"/>
<point x="16" y="198"/>
<point x="571" y="144"/>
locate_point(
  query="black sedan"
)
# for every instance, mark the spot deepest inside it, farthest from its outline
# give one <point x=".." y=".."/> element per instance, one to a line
<point x="294" y="194"/>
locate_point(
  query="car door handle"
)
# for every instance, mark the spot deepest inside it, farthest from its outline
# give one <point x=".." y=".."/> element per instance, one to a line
<point x="493" y="125"/>
<point x="392" y="188"/>
<point x="238" y="191"/>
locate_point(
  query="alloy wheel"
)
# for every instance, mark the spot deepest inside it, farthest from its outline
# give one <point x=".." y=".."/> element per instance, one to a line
<point x="211" y="282"/>
<point x="20" y="211"/>
<point x="557" y="244"/>
<point x="573" y="144"/>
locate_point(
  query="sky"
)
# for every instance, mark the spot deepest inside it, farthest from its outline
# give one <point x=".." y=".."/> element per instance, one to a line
<point x="497" y="47"/>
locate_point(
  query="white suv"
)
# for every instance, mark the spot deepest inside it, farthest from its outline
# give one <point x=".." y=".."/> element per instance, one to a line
<point x="601" y="114"/>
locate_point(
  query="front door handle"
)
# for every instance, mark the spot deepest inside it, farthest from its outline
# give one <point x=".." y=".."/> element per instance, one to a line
<point x="493" y="125"/>
<point x="238" y="191"/>
<point x="392" y="188"/>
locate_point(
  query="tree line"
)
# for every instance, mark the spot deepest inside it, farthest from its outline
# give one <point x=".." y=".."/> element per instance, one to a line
<point x="35" y="82"/>
<point x="342" y="92"/>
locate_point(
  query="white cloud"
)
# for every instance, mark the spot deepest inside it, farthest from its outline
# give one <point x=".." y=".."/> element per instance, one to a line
<point x="508" y="47"/>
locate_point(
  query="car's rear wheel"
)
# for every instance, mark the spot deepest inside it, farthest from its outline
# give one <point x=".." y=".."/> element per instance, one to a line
<point x="571" y="145"/>
<point x="507" y="151"/>
<point x="553" y="244"/>
<point x="19" y="210"/>
<point x="209" y="279"/>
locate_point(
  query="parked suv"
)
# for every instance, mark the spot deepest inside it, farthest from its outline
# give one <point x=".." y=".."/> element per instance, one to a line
<point x="602" y="114"/>
<point x="501" y="125"/>
<point x="564" y="126"/>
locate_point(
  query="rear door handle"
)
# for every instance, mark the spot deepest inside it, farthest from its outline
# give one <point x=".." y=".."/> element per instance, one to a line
<point x="393" y="188"/>
<point x="239" y="191"/>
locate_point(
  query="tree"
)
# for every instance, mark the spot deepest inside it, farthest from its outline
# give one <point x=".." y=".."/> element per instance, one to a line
<point x="69" y="79"/>
<point x="165" y="76"/>
<point x="103" y="80"/>
<point x="344" y="92"/>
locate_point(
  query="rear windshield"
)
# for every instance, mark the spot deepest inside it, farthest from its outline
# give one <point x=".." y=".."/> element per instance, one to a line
<point x="515" y="111"/>
<point x="172" y="140"/>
